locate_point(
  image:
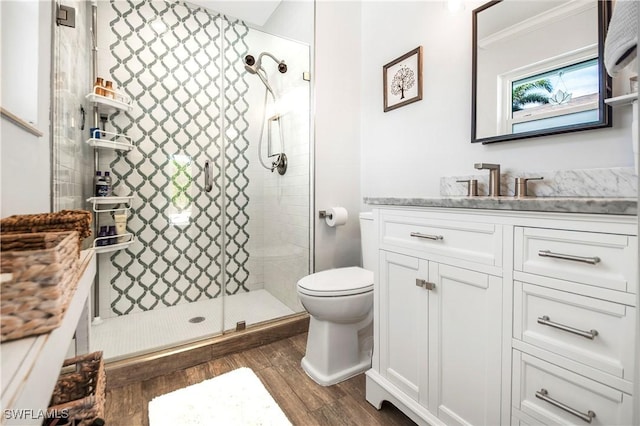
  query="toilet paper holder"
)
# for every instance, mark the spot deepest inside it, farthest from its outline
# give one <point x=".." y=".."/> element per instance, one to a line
<point x="323" y="214"/>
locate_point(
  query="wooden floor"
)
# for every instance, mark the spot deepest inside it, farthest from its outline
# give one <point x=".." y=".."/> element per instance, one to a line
<point x="278" y="366"/>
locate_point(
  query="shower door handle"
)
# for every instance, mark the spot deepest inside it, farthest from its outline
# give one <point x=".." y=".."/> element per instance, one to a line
<point x="208" y="183"/>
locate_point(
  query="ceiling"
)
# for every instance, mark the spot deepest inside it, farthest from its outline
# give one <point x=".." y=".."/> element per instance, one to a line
<point x="255" y="12"/>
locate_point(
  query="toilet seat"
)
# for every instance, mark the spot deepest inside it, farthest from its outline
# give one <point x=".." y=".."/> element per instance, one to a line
<point x="337" y="282"/>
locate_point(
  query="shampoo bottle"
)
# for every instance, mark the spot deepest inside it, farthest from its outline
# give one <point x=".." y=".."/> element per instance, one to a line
<point x="120" y="219"/>
<point x="107" y="179"/>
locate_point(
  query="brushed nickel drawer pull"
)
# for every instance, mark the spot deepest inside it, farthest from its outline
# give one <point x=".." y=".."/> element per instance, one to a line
<point x="543" y="395"/>
<point x="590" y="260"/>
<point x="427" y="236"/>
<point x="545" y="320"/>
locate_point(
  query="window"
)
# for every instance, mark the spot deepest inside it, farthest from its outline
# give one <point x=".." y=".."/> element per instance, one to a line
<point x="561" y="91"/>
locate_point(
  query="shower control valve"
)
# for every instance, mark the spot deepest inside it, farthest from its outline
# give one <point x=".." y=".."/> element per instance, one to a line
<point x="280" y="164"/>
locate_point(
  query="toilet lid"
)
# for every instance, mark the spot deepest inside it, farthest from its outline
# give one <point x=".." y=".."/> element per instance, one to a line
<point x="337" y="282"/>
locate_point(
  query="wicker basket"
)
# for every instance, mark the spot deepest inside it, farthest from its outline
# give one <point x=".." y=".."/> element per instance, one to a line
<point x="81" y="391"/>
<point x="64" y="220"/>
<point x="37" y="281"/>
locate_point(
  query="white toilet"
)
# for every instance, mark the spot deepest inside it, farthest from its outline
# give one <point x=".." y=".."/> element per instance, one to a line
<point x="340" y="303"/>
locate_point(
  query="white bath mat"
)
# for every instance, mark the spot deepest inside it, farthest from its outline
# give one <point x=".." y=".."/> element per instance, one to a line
<point x="235" y="398"/>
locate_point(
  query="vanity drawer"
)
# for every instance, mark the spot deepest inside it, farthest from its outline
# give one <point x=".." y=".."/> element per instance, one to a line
<point x="603" y="260"/>
<point x="469" y="241"/>
<point x="587" y="330"/>
<point x="567" y="395"/>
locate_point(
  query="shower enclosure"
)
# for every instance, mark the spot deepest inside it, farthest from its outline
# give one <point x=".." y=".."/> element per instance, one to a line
<point x="220" y="239"/>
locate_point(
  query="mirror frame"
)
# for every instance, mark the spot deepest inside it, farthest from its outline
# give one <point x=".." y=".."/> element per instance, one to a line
<point x="605" y="111"/>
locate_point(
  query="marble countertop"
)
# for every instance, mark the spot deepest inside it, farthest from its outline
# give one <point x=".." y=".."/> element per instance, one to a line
<point x="618" y="206"/>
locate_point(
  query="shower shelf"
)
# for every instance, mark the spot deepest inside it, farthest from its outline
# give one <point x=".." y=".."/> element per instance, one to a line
<point x="116" y="141"/>
<point x="113" y="247"/>
<point x="101" y="201"/>
<point x="121" y="102"/>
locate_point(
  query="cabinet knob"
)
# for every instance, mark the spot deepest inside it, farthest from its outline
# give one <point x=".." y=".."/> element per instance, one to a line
<point x="425" y="284"/>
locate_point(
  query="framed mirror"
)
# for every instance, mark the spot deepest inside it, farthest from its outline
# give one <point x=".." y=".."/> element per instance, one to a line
<point x="538" y="69"/>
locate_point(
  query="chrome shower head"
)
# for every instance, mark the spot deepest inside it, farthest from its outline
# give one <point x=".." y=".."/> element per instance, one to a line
<point x="252" y="65"/>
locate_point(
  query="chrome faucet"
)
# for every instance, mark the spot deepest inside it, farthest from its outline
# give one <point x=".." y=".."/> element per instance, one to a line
<point x="494" y="177"/>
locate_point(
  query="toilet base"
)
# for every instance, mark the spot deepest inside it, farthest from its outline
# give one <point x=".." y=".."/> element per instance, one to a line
<point x="336" y="352"/>
<point x="328" y="380"/>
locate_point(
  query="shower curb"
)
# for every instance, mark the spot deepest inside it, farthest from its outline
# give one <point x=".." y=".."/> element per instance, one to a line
<point x="144" y="367"/>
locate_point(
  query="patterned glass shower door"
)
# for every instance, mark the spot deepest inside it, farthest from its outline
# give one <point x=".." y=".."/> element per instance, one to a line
<point x="168" y="57"/>
<point x="193" y="103"/>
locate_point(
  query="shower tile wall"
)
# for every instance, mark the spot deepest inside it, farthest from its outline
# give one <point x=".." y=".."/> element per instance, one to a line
<point x="72" y="157"/>
<point x="166" y="56"/>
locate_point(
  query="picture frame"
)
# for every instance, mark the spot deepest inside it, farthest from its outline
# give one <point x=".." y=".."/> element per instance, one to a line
<point x="402" y="80"/>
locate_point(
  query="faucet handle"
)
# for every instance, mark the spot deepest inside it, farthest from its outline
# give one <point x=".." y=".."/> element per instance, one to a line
<point x="521" y="186"/>
<point x="472" y="187"/>
<point x="487" y="166"/>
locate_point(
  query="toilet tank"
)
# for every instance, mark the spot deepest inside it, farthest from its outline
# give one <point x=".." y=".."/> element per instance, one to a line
<point x="368" y="240"/>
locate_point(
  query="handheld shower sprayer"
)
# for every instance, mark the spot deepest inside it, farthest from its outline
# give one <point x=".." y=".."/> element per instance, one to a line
<point x="254" y="66"/>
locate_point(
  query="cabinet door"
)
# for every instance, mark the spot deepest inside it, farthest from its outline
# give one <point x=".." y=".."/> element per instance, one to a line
<point x="465" y="311"/>
<point x="403" y="324"/>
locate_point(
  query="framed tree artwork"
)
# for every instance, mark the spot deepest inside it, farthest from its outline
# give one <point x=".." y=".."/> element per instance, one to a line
<point x="402" y="80"/>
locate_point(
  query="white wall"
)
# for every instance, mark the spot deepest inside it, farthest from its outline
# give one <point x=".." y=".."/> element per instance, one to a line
<point x="407" y="150"/>
<point x="25" y="179"/>
<point x="20" y="21"/>
<point x="292" y="19"/>
<point x="337" y="130"/>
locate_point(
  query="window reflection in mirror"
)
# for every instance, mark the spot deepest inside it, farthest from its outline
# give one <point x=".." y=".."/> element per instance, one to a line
<point x="537" y="68"/>
<point x="561" y="97"/>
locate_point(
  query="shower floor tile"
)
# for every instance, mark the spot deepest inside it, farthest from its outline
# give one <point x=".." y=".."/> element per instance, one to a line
<point x="135" y="334"/>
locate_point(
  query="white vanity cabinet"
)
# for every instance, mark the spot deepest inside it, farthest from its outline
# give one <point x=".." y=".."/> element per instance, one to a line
<point x="486" y="317"/>
<point x="574" y="318"/>
<point x="440" y="337"/>
<point x="438" y="324"/>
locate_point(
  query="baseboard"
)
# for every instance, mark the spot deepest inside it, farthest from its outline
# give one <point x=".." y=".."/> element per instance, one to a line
<point x="143" y="367"/>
